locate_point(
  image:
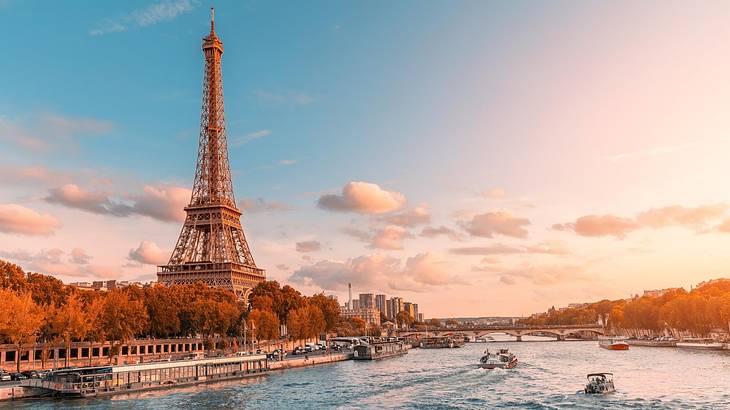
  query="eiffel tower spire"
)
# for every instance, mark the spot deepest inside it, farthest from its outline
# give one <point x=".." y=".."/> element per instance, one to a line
<point x="212" y="247"/>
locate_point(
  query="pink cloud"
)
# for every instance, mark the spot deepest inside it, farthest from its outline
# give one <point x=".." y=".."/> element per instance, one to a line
<point x="391" y="238"/>
<point x="364" y="198"/>
<point x="16" y="218"/>
<point x="163" y="202"/>
<point x="416" y="216"/>
<point x="500" y="222"/>
<point x="600" y="225"/>
<point x="431" y="232"/>
<point x="148" y="253"/>
<point x="694" y="218"/>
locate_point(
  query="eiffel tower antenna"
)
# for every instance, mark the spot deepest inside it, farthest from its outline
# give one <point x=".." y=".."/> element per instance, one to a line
<point x="212" y="247"/>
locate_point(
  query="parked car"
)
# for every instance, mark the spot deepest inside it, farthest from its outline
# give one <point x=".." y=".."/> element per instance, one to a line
<point x="18" y="377"/>
<point x="5" y="377"/>
<point x="31" y="374"/>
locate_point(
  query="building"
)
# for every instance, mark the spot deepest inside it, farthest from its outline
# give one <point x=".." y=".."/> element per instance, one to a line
<point x="380" y="303"/>
<point x="367" y="301"/>
<point x="409" y="308"/>
<point x="212" y="247"/>
<point x="396" y="305"/>
<point x="415" y="312"/>
<point x="420" y="317"/>
<point x="370" y="316"/>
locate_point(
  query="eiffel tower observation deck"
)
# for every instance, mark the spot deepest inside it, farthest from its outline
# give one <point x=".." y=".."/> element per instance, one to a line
<point x="212" y="247"/>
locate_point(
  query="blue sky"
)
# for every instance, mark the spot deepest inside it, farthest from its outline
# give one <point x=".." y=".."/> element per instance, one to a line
<point x="477" y="157"/>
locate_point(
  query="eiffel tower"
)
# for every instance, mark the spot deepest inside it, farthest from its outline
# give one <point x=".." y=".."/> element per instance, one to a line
<point x="212" y="247"/>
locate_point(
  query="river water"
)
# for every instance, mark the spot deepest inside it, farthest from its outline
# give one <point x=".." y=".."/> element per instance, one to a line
<point x="549" y="375"/>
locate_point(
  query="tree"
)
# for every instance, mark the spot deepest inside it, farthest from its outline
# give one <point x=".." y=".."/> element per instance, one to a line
<point x="20" y="319"/>
<point x="330" y="309"/>
<point x="12" y="277"/>
<point x="120" y="319"/>
<point x="163" y="309"/>
<point x="404" y="318"/>
<point x="306" y="322"/>
<point x="68" y="322"/>
<point x="265" y="323"/>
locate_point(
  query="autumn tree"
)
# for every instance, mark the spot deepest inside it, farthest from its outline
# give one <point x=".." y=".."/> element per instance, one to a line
<point x="404" y="318"/>
<point x="163" y="309"/>
<point x="69" y="322"/>
<point x="306" y="322"/>
<point x="433" y="322"/>
<point x="121" y="319"/>
<point x="329" y="308"/>
<point x="20" y="319"/>
<point x="264" y="323"/>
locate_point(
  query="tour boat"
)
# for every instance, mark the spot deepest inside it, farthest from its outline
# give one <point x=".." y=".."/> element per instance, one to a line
<point x="503" y="359"/>
<point x="380" y="349"/>
<point x="600" y="383"/>
<point x="613" y="343"/>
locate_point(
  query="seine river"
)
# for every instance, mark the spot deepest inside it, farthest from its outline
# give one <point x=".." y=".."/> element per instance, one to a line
<point x="549" y="375"/>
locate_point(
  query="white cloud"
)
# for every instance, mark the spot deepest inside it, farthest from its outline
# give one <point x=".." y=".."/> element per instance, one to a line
<point x="295" y="98"/>
<point x="144" y="17"/>
<point x="250" y="137"/>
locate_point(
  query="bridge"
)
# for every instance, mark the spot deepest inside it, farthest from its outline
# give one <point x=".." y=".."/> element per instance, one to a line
<point x="560" y="332"/>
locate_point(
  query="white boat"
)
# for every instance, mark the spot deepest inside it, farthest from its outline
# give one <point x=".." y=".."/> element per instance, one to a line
<point x="600" y="383"/>
<point x="503" y="359"/>
<point x="704" y="344"/>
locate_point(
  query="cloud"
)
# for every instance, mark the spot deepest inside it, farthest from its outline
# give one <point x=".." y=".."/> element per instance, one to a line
<point x="145" y="17"/>
<point x="73" y="196"/>
<point x="494" y="193"/>
<point x="51" y="132"/>
<point x="364" y="198"/>
<point x="603" y="225"/>
<point x="44" y="261"/>
<point x="500" y="222"/>
<point x="695" y="218"/>
<point x="161" y="202"/>
<point x="148" y="253"/>
<point x="79" y="256"/>
<point x="286" y="162"/>
<point x="420" y="273"/>
<point x="18" y="219"/>
<point x="390" y="238"/>
<point x="416" y="216"/>
<point x="261" y="205"/>
<point x="548" y="248"/>
<point x="356" y="233"/>
<point x="545" y="275"/>
<point x="17" y="174"/>
<point x="294" y="98"/>
<point x="282" y="266"/>
<point x="431" y="232"/>
<point x="308" y="246"/>
<point x="250" y="137"/>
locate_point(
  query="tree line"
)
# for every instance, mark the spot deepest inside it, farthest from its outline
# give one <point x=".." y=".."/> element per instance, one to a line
<point x="40" y="308"/>
<point x="700" y="311"/>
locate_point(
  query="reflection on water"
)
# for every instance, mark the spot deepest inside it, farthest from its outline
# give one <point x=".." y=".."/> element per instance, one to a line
<point x="549" y="375"/>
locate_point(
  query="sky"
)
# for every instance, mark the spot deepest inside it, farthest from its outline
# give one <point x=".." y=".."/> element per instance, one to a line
<point x="474" y="157"/>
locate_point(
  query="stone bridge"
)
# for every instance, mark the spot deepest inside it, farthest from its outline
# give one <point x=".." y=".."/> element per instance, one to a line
<point x="560" y="332"/>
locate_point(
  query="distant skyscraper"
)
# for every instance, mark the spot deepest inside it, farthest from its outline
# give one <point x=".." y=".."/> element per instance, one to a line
<point x="396" y="306"/>
<point x="367" y="301"/>
<point x="380" y="303"/>
<point x="415" y="312"/>
<point x="408" y="307"/>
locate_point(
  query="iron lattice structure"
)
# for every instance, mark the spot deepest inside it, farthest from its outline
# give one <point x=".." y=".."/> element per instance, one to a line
<point x="212" y="247"/>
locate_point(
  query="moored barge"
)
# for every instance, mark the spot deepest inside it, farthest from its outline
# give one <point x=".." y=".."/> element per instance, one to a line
<point x="441" y="342"/>
<point x="380" y="350"/>
<point x="107" y="380"/>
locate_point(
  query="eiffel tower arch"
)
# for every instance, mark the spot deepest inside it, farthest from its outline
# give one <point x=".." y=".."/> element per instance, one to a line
<point x="212" y="247"/>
